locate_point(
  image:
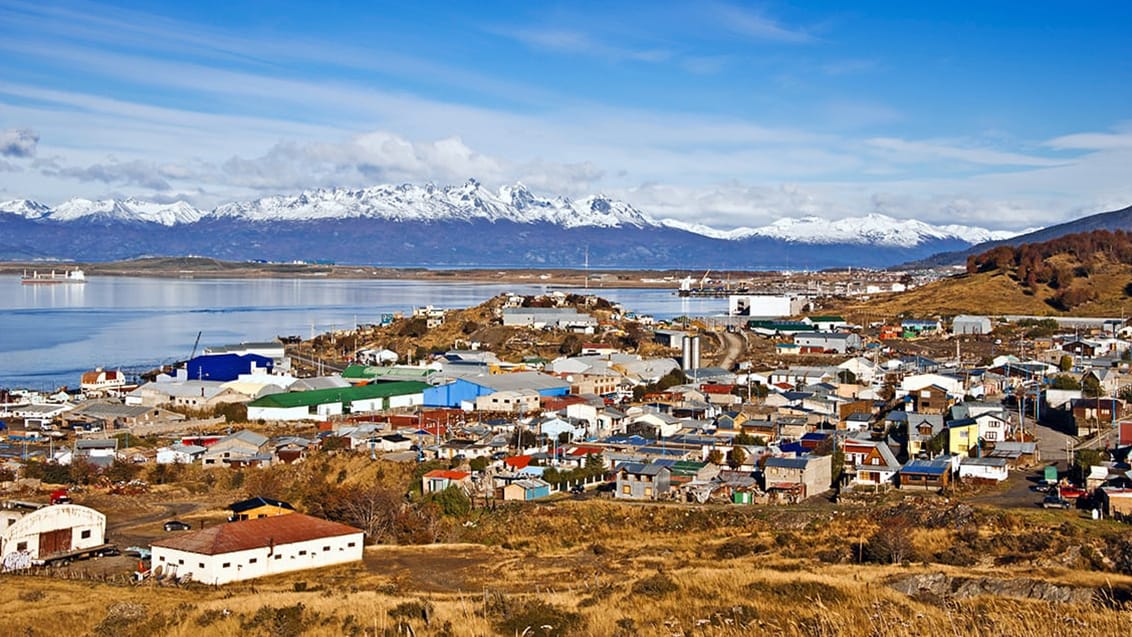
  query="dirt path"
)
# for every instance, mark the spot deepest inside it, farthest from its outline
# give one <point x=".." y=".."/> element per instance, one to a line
<point x="731" y="347"/>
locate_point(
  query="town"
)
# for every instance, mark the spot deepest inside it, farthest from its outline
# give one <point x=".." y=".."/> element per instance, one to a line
<point x="569" y="396"/>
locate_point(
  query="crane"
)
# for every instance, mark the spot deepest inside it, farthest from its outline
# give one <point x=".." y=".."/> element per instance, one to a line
<point x="195" y="343"/>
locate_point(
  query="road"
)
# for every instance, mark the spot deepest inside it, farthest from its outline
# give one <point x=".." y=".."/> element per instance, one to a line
<point x="731" y="347"/>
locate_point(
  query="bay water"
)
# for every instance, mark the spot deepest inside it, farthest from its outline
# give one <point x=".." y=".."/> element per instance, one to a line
<point x="50" y="334"/>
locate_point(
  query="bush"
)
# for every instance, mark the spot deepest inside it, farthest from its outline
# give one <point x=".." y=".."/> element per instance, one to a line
<point x="536" y="617"/>
<point x="657" y="585"/>
<point x="739" y="547"/>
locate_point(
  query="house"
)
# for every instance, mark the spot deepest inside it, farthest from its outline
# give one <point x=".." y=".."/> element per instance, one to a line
<point x="254" y="548"/>
<point x="526" y="489"/>
<point x="101" y="382"/>
<point x="549" y="317"/>
<point x="1017" y="454"/>
<point x="962" y="436"/>
<point x="932" y="399"/>
<point x="98" y="452"/>
<point x="826" y="323"/>
<point x="179" y="454"/>
<point x="518" y="401"/>
<point x="258" y="507"/>
<point x="925" y="474"/>
<point x="35" y="532"/>
<point x="191" y="394"/>
<point x="870" y="462"/>
<point x="966" y="324"/>
<point x="800" y="477"/>
<point x="986" y="469"/>
<point x="921" y="428"/>
<point x="919" y="327"/>
<point x="239" y="449"/>
<point x="1092" y="415"/>
<point x="440" y="479"/>
<point x="275" y="350"/>
<point x="636" y="481"/>
<point x="823" y="342"/>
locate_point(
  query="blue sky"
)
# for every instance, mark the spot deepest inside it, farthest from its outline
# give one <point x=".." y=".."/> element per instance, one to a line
<point x="1003" y="115"/>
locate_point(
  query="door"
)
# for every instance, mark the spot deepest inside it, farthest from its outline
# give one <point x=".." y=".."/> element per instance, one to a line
<point x="52" y="542"/>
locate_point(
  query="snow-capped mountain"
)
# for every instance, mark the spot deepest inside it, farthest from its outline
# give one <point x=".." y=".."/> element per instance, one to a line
<point x="24" y="208"/>
<point x="472" y="202"/>
<point x="462" y="225"/>
<point x="872" y="229"/>
<point x="467" y="202"/>
<point x="127" y="210"/>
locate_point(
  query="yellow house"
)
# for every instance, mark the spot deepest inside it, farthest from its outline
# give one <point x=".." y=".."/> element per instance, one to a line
<point x="962" y="435"/>
<point x="258" y="507"/>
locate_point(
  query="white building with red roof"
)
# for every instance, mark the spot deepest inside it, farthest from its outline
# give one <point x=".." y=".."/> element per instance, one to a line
<point x="249" y="549"/>
<point x="102" y="381"/>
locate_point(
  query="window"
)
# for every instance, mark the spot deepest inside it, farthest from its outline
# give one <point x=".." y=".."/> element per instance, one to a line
<point x="325" y="548"/>
<point x="225" y="565"/>
<point x="352" y="544"/>
<point x="626" y="489"/>
<point x="253" y="560"/>
<point x="85" y="534"/>
<point x="302" y="552"/>
<point x="161" y="559"/>
<point x="648" y="492"/>
<point x="181" y="562"/>
<point x="22" y="546"/>
<point x="278" y="556"/>
<point x="11" y="521"/>
<point x="200" y="565"/>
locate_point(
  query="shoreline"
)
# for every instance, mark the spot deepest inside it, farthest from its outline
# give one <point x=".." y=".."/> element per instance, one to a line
<point x="205" y="268"/>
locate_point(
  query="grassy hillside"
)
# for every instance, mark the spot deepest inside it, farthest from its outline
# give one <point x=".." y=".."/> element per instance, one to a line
<point x="1081" y="275"/>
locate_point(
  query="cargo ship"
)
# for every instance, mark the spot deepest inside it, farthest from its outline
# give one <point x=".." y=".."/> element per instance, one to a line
<point x="53" y="277"/>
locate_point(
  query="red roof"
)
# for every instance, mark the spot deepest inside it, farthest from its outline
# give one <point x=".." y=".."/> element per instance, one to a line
<point x="585" y="451"/>
<point x="257" y="533"/>
<point x="517" y="462"/>
<point x="447" y="474"/>
<point x="715" y="388"/>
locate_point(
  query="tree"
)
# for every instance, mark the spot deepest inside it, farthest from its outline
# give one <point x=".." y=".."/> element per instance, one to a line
<point x="1066" y="363"/>
<point x="1064" y="381"/>
<point x="1091" y="387"/>
<point x="715" y="457"/>
<point x="452" y="501"/>
<point x="736" y="457"/>
<point x="479" y="463"/>
<point x="373" y="509"/>
<point x="744" y="438"/>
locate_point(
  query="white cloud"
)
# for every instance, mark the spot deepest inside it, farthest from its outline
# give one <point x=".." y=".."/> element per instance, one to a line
<point x="18" y="142"/>
<point x="756" y="25"/>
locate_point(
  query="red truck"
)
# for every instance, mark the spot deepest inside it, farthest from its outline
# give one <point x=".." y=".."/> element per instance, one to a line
<point x="60" y="496"/>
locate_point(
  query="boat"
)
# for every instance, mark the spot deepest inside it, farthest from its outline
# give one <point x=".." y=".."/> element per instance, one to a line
<point x="53" y="277"/>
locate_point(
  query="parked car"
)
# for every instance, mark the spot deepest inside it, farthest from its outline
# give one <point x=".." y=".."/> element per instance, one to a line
<point x="577" y="489"/>
<point x="1055" y="502"/>
<point x="177" y="525"/>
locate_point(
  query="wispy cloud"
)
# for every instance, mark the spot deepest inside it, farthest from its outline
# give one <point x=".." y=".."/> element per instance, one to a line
<point x="580" y="43"/>
<point x="928" y="151"/>
<point x="756" y="25"/>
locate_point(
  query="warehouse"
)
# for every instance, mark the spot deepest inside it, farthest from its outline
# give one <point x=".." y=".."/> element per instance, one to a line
<point x="322" y="403"/>
<point x="248" y="549"/>
<point x="35" y="532"/>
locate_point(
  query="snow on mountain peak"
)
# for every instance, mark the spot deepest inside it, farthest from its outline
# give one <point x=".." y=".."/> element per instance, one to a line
<point x="471" y="201"/>
<point x="25" y="208"/>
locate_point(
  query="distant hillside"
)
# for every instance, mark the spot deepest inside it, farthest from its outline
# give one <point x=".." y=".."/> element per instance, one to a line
<point x="1084" y="274"/>
<point x="1114" y="220"/>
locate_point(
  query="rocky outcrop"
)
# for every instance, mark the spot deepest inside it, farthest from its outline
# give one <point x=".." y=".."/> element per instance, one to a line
<point x="940" y="586"/>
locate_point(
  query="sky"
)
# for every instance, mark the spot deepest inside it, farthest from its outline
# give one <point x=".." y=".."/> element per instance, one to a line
<point x="1004" y="115"/>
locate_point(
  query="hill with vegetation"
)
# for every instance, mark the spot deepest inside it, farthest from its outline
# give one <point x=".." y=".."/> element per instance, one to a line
<point x="1085" y="274"/>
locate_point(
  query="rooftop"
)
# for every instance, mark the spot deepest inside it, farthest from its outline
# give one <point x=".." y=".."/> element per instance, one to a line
<point x="258" y="533"/>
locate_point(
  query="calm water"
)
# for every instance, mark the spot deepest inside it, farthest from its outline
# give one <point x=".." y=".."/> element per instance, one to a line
<point x="50" y="334"/>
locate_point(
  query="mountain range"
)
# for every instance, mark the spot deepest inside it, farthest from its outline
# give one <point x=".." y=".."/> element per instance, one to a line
<point x="467" y="224"/>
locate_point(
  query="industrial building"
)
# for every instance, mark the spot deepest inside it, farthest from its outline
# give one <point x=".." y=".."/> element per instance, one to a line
<point x="254" y="548"/>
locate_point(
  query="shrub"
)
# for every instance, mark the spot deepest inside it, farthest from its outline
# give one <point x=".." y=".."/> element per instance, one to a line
<point x="657" y="585"/>
<point x="536" y="617"/>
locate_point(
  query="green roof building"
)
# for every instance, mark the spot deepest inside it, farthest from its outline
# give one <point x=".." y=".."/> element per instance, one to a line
<point x="318" y="404"/>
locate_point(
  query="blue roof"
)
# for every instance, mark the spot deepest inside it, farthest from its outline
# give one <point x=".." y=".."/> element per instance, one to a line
<point x="663" y="451"/>
<point x="793" y="447"/>
<point x="816" y="435"/>
<point x="788" y="463"/>
<point x="928" y="467"/>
